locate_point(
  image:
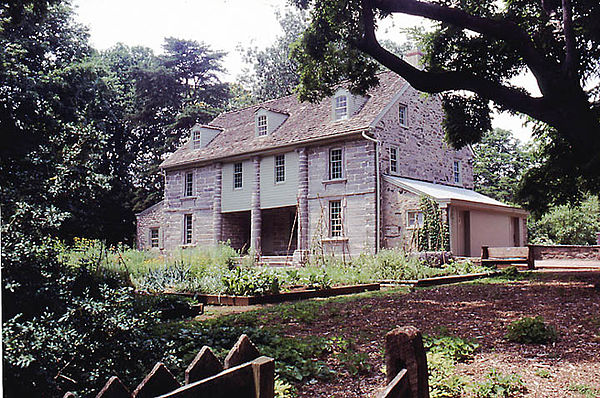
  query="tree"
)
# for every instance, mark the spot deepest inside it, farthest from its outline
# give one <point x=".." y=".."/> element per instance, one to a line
<point x="470" y="57"/>
<point x="500" y="162"/>
<point x="274" y="74"/>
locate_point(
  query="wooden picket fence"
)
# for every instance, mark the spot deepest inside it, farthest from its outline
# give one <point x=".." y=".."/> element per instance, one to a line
<point x="244" y="374"/>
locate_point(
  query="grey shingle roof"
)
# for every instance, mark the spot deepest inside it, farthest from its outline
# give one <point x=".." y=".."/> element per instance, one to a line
<point x="306" y="122"/>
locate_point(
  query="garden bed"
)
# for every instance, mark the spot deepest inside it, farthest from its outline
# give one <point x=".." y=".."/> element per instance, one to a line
<point x="294" y="295"/>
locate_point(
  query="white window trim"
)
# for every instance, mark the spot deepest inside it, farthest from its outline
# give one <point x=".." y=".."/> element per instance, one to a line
<point x="157" y="229"/>
<point x="400" y="106"/>
<point x="241" y="175"/>
<point x="337" y="107"/>
<point x="329" y="163"/>
<point x="416" y="225"/>
<point x="459" y="172"/>
<point x="341" y="219"/>
<point x="185" y="229"/>
<point x="395" y="148"/>
<point x="259" y="126"/>
<point x="185" y="184"/>
<point x="197" y="139"/>
<point x="275" y="169"/>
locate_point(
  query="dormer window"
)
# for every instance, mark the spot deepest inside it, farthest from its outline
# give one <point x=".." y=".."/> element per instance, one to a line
<point x="197" y="138"/>
<point x="341" y="107"/>
<point x="261" y="125"/>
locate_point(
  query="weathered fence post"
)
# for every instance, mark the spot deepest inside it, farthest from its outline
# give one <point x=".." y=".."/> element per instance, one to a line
<point x="404" y="350"/>
<point x="263" y="369"/>
<point x="531" y="256"/>
<point x="485" y="252"/>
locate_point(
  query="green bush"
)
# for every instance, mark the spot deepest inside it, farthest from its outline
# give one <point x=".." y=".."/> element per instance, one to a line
<point x="499" y="385"/>
<point x="531" y="330"/>
<point x="243" y="281"/>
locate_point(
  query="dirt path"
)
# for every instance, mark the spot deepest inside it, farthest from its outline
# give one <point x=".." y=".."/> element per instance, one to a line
<point x="481" y="312"/>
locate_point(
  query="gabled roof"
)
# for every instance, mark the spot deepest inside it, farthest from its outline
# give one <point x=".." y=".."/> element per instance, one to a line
<point x="306" y="122"/>
<point x="446" y="193"/>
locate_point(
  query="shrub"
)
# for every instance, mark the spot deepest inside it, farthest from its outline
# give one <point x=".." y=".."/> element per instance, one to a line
<point x="531" y="330"/>
<point x="243" y="281"/>
<point x="499" y="385"/>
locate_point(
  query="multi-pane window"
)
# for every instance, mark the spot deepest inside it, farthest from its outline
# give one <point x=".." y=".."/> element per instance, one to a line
<point x="189" y="183"/>
<point x="414" y="219"/>
<point x="393" y="159"/>
<point x="261" y="125"/>
<point x="279" y="168"/>
<point x="335" y="164"/>
<point x="197" y="139"/>
<point x="237" y="175"/>
<point x="456" y="171"/>
<point x="187" y="229"/>
<point x="341" y="107"/>
<point x="335" y="218"/>
<point x="402" y="115"/>
<point x="153" y="237"/>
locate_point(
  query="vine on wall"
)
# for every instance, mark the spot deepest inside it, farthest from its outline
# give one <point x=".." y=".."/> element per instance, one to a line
<point x="434" y="235"/>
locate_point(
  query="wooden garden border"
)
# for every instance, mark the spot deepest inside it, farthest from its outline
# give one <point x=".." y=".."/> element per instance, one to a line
<point x="216" y="299"/>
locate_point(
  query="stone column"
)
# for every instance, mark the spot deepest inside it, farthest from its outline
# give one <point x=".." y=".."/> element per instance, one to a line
<point x="255" y="216"/>
<point x="217" y="216"/>
<point x="301" y="254"/>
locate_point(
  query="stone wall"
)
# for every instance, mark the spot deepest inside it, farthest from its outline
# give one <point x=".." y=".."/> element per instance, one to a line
<point x="422" y="152"/>
<point x="565" y="252"/>
<point x="356" y="191"/>
<point x="200" y="205"/>
<point x="236" y="229"/>
<point x="396" y="202"/>
<point x="152" y="217"/>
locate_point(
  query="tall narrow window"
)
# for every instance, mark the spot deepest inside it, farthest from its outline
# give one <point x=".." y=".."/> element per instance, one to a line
<point x="189" y="183"/>
<point x="280" y="168"/>
<point x="153" y="237"/>
<point x="402" y="115"/>
<point x="335" y="164"/>
<point x="237" y="175"/>
<point x="335" y="218"/>
<point x="393" y="160"/>
<point x="197" y="139"/>
<point x="261" y="125"/>
<point x="341" y="107"/>
<point x="187" y="229"/>
<point x="456" y="171"/>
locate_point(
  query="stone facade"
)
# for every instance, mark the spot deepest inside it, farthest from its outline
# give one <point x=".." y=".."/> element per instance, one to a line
<point x="396" y="203"/>
<point x="423" y="153"/>
<point x="565" y="252"/>
<point x="152" y="217"/>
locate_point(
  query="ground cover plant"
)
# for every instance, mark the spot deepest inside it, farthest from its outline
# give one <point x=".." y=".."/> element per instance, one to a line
<point x="531" y="330"/>
<point x="214" y="270"/>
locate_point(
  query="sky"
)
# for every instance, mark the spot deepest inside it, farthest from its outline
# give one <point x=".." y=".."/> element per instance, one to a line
<point x="226" y="25"/>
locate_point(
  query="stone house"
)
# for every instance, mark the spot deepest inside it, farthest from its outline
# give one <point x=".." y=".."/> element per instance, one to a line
<point x="341" y="176"/>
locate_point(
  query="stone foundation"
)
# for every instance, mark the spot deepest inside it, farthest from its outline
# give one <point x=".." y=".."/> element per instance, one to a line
<point x="565" y="252"/>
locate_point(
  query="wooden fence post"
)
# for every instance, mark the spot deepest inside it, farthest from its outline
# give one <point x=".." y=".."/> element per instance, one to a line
<point x="404" y="350"/>
<point x="531" y="256"/>
<point x="263" y="369"/>
<point x="485" y="252"/>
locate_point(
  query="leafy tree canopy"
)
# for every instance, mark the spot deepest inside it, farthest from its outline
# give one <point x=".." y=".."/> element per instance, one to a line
<point x="500" y="162"/>
<point x="470" y="57"/>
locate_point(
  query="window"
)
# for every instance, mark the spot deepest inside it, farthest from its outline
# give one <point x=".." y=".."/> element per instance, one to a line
<point x="341" y="107"/>
<point x="402" y="115"/>
<point x="197" y="139"/>
<point x="335" y="218"/>
<point x="393" y="160"/>
<point x="189" y="183"/>
<point x="261" y="125"/>
<point x="335" y="164"/>
<point x="414" y="219"/>
<point x="280" y="168"/>
<point x="153" y="237"/>
<point x="456" y="171"/>
<point x="187" y="229"/>
<point x="237" y="175"/>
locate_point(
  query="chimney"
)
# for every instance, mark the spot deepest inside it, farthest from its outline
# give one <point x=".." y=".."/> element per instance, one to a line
<point x="414" y="58"/>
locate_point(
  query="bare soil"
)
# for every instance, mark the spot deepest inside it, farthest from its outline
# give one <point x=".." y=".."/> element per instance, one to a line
<point x="568" y="300"/>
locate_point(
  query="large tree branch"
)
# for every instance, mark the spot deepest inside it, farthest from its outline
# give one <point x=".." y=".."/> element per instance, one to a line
<point x="542" y="68"/>
<point x="570" y="64"/>
<point x="435" y="82"/>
